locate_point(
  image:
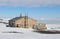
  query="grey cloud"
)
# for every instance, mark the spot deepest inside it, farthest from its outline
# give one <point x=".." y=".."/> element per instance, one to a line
<point x="53" y="19"/>
<point x="29" y="2"/>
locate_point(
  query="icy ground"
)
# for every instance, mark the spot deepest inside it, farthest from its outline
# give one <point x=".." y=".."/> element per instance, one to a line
<point x="21" y="33"/>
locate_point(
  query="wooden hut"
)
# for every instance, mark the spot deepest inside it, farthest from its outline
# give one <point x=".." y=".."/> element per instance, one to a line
<point x="22" y="22"/>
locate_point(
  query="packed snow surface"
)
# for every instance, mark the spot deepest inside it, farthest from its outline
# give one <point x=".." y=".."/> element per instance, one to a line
<point x="22" y="33"/>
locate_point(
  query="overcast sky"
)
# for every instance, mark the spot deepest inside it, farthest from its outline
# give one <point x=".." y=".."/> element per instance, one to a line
<point x="34" y="3"/>
<point x="37" y="9"/>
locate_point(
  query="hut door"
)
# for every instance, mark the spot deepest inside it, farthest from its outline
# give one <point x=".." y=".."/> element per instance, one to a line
<point x="17" y="25"/>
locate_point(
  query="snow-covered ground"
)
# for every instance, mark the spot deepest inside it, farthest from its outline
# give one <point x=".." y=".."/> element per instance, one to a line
<point x="21" y="33"/>
<point x="52" y="25"/>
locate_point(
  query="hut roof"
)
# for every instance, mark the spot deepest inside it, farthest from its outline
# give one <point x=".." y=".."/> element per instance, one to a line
<point x="16" y="18"/>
